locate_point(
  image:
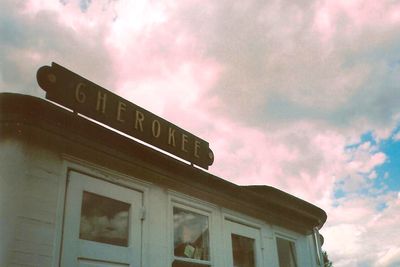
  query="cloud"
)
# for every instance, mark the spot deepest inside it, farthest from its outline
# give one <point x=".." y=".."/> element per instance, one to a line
<point x="396" y="137"/>
<point x="364" y="159"/>
<point x="356" y="234"/>
<point x="390" y="258"/>
<point x="37" y="33"/>
<point x="282" y="90"/>
<point x="278" y="65"/>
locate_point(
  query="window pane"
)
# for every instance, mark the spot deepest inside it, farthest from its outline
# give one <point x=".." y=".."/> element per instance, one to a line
<point x="191" y="238"/>
<point x="286" y="253"/>
<point x="104" y="220"/>
<point x="243" y="251"/>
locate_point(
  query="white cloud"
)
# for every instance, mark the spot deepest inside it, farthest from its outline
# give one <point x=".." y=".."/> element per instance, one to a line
<point x="389" y="258"/>
<point x="358" y="234"/>
<point x="279" y="69"/>
<point x="278" y="88"/>
<point x="35" y="34"/>
<point x="373" y="175"/>
<point x="396" y="137"/>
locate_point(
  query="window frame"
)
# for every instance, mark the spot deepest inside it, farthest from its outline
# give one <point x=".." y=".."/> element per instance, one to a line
<point x="245" y="228"/>
<point x="317" y="246"/>
<point x="198" y="207"/>
<point x="288" y="237"/>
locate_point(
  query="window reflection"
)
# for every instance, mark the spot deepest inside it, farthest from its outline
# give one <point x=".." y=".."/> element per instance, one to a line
<point x="104" y="220"/>
<point x="286" y="253"/>
<point x="243" y="251"/>
<point x="191" y="237"/>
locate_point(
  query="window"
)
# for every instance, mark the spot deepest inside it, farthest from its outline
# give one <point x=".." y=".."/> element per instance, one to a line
<point x="286" y="252"/>
<point x="243" y="243"/>
<point x="243" y="251"/>
<point x="104" y="220"/>
<point x="191" y="238"/>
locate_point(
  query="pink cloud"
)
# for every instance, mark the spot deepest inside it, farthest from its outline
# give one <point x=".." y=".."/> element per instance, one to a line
<point x="353" y="16"/>
<point x="219" y="73"/>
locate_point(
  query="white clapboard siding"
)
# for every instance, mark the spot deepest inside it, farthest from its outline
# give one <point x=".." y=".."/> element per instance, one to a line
<point x="37" y="178"/>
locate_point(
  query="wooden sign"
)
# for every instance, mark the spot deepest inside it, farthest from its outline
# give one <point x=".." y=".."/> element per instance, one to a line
<point x="87" y="98"/>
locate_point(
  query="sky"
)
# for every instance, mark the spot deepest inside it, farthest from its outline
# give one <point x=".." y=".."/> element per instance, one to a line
<point x="300" y="95"/>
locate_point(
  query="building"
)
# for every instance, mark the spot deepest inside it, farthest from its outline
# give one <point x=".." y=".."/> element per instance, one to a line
<point x="76" y="193"/>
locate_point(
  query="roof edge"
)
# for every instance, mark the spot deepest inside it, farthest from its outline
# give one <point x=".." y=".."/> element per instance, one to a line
<point x="30" y="109"/>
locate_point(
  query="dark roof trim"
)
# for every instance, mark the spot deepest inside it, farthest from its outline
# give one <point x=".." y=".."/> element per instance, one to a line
<point x="265" y="202"/>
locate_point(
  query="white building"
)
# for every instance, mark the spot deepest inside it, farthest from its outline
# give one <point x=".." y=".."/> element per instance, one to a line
<point x="75" y="193"/>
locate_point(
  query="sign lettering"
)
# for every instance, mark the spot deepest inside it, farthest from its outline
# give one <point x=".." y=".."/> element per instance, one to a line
<point x="87" y="98"/>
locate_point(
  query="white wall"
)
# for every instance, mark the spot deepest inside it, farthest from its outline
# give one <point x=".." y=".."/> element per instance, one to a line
<point x="12" y="179"/>
<point x="32" y="184"/>
<point x="29" y="185"/>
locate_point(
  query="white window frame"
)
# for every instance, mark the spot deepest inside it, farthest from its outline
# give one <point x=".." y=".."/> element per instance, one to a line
<point x="236" y="217"/>
<point x="196" y="206"/>
<point x="289" y="236"/>
<point x="247" y="223"/>
<point x="71" y="163"/>
<point x="317" y="247"/>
